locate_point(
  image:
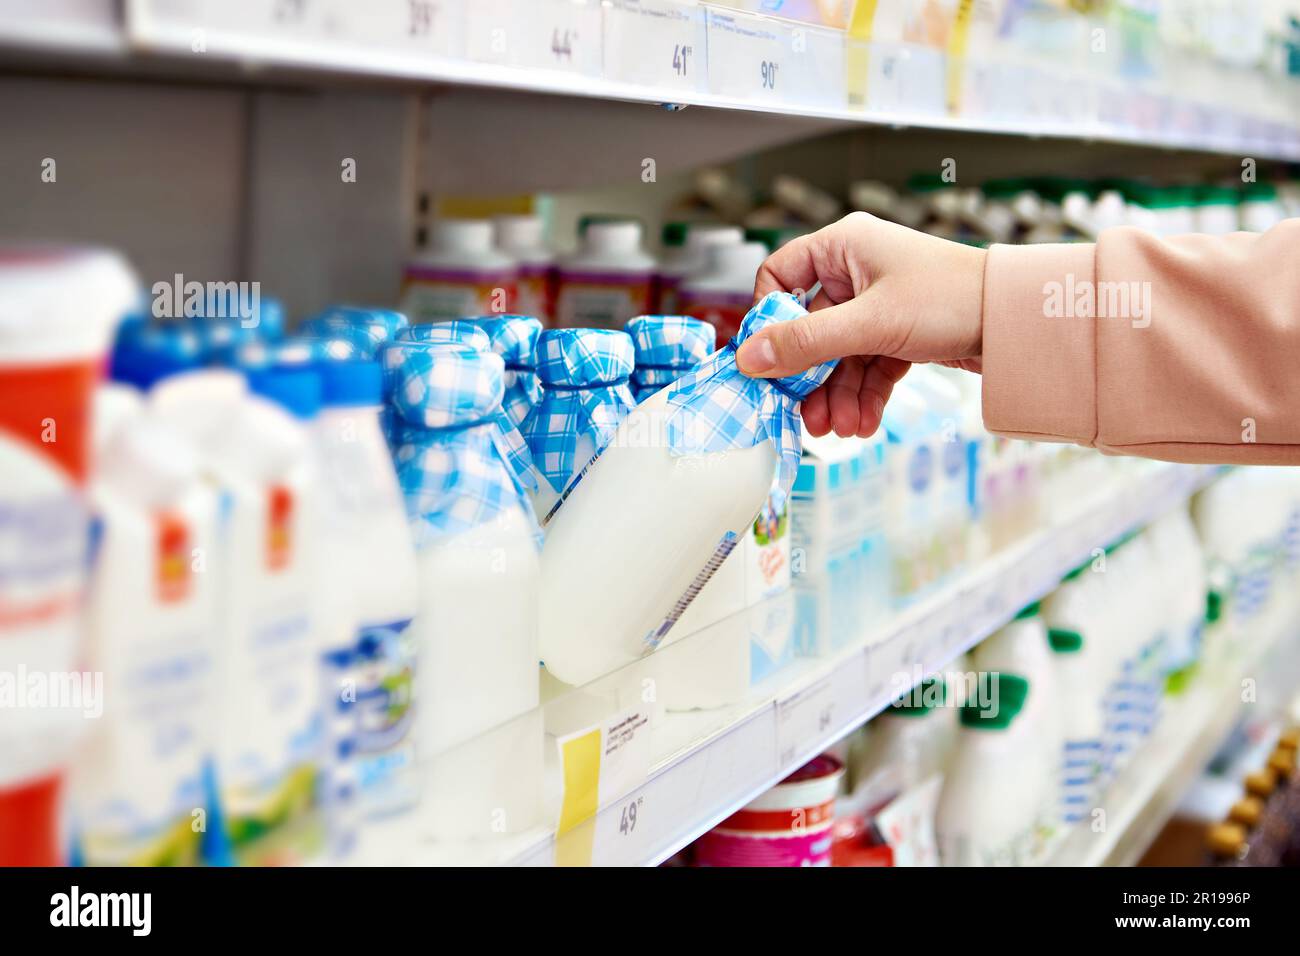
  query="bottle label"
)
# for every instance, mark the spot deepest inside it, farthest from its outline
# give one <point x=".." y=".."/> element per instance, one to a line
<point x="279" y="527"/>
<point x="601" y="300"/>
<point x="172" y="558"/>
<point x="724" y="547"/>
<point x="723" y="310"/>
<point x="435" y="295"/>
<point x="384" y="682"/>
<point x="534" y="292"/>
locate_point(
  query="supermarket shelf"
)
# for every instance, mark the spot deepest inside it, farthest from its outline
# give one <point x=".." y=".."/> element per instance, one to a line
<point x="1146" y="792"/>
<point x="707" y="778"/>
<point x="665" y="52"/>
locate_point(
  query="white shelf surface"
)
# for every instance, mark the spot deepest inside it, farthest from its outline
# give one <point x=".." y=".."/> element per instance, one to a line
<point x="1146" y="792"/>
<point x="712" y="763"/>
<point x="672" y="52"/>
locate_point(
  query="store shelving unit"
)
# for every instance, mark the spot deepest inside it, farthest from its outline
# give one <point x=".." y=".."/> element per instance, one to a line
<point x="670" y="52"/>
<point x="702" y="778"/>
<point x="653" y="53"/>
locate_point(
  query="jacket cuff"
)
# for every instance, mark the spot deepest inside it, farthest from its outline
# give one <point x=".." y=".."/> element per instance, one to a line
<point x="1039" y="352"/>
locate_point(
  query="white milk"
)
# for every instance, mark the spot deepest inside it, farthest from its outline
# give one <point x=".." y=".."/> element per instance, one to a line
<point x="632" y="539"/>
<point x="268" y="710"/>
<point x="478" y="729"/>
<point x="153" y="601"/>
<point x="993" y="791"/>
<point x="371" y="567"/>
<point x="1074" y="609"/>
<point x="645" y="526"/>
<point x="1021" y="648"/>
<point x="477" y="639"/>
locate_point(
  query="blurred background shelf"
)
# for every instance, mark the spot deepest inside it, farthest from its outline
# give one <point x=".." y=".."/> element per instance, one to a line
<point x="665" y="52"/>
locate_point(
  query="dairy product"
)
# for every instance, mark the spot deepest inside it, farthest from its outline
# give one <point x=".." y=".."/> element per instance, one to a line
<point x="722" y="291"/>
<point x="58" y="307"/>
<point x="685" y="247"/>
<point x="459" y="274"/>
<point x="370" y="564"/>
<point x="994" y="790"/>
<point x="699" y="460"/>
<point x="790" y="825"/>
<point x="268" y="736"/>
<point x="585" y="395"/>
<point x="151" y="612"/>
<point x="1021" y="648"/>
<point x="476" y="630"/>
<point x="514" y="338"/>
<point x="521" y="238"/>
<point x="607" y="281"/>
<point x="1075" y="622"/>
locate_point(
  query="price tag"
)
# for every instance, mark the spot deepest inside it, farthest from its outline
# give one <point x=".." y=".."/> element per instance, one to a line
<point x="815" y="70"/>
<point x="804" y="719"/>
<point x="541" y="34"/>
<point x="424" y="26"/>
<point x="600" y="764"/>
<point x="747" y="57"/>
<point x="656" y="43"/>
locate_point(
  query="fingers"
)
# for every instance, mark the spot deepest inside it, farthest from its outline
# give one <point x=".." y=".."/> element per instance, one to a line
<point x="877" y="385"/>
<point x="852" y="401"/>
<point x="789" y="268"/>
<point x="788" y="348"/>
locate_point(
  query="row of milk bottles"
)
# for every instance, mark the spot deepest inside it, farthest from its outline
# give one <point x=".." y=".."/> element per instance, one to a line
<point x="320" y="582"/>
<point x="1049" y="708"/>
<point x="250" y="604"/>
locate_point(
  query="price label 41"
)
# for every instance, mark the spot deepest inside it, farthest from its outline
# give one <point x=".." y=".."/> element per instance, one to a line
<point x="654" y="43"/>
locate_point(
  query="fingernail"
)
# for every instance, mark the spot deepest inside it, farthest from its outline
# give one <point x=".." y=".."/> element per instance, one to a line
<point x="878" y="407"/>
<point x="756" y="356"/>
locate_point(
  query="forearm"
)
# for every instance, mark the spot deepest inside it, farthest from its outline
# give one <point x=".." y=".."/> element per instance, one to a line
<point x="1185" y="349"/>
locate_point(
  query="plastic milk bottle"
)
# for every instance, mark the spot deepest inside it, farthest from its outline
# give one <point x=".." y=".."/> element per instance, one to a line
<point x="651" y="519"/>
<point x="476" y="627"/>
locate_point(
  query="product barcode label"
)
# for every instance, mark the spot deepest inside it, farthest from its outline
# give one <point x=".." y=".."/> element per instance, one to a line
<point x="724" y="548"/>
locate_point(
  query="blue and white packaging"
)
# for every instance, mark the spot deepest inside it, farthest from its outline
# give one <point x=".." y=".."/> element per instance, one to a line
<point x="667" y="347"/>
<point x="585" y="395"/>
<point x="658" y="512"/>
<point x="514" y="338"/>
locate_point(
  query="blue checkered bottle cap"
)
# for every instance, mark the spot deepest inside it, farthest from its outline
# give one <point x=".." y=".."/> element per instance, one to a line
<point x="666" y="346"/>
<point x="450" y="332"/>
<point x="585" y="396"/>
<point x="514" y="338"/>
<point x="434" y="386"/>
<point x="452" y="453"/>
<point x="576" y="358"/>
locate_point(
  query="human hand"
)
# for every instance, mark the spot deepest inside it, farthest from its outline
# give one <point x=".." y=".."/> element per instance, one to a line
<point x="890" y="296"/>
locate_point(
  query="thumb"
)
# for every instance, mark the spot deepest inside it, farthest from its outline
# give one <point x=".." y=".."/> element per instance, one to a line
<point x="788" y="348"/>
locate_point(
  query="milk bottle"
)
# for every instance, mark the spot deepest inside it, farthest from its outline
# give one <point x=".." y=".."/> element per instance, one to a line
<point x="268" y="737"/>
<point x="476" y="626"/>
<point x="153" y="600"/>
<point x="585" y="394"/>
<point x="650" y="520"/>
<point x="994" y="788"/>
<point x="372" y="563"/>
